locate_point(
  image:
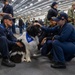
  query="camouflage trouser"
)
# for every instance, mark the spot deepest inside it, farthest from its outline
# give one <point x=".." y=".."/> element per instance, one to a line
<point x="73" y="22"/>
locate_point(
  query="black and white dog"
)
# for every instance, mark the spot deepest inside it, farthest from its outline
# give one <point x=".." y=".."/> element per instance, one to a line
<point x="30" y="41"/>
<point x="17" y="54"/>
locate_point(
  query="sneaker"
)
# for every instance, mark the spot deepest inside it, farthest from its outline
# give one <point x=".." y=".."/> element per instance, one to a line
<point x="58" y="65"/>
<point x="8" y="63"/>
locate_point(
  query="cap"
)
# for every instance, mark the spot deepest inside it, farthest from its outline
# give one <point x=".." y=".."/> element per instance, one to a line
<point x="60" y="16"/>
<point x="53" y="4"/>
<point x="7" y="17"/>
<point x="73" y="3"/>
<point x="5" y="0"/>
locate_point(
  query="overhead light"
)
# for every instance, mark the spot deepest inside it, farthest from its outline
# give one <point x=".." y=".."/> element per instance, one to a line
<point x="26" y="7"/>
<point x="65" y="11"/>
<point x="20" y="10"/>
<point x="60" y="2"/>
<point x="47" y="6"/>
<point x="31" y="4"/>
<point x="39" y="0"/>
<point x="13" y="0"/>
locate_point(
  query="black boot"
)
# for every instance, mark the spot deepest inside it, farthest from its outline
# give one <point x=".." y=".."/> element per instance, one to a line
<point x="7" y="62"/>
<point x="58" y="65"/>
<point x="0" y="56"/>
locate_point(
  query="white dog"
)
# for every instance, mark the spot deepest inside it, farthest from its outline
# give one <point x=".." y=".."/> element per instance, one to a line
<point x="31" y="41"/>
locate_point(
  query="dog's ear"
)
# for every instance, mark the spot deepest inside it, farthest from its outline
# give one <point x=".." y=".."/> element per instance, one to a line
<point x="30" y="30"/>
<point x="33" y="30"/>
<point x="37" y="29"/>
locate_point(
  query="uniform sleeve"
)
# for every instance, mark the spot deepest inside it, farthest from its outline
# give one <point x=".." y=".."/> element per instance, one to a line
<point x="11" y="10"/>
<point x="70" y="13"/>
<point x="49" y="15"/>
<point x="65" y="34"/>
<point x="11" y="42"/>
<point x="49" y="30"/>
<point x="2" y="32"/>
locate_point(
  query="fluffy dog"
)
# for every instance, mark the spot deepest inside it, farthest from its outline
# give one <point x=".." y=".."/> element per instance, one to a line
<point x="31" y="41"/>
<point x="17" y="53"/>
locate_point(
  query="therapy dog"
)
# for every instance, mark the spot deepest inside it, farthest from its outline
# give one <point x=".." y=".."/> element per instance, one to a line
<point x="31" y="41"/>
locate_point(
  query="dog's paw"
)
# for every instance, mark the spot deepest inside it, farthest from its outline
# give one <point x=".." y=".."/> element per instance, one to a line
<point x="23" y="60"/>
<point x="28" y="60"/>
<point x="34" y="55"/>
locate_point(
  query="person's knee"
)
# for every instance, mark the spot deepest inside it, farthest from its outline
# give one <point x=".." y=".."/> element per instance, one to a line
<point x="2" y="38"/>
<point x="44" y="51"/>
<point x="56" y="42"/>
<point x="49" y="42"/>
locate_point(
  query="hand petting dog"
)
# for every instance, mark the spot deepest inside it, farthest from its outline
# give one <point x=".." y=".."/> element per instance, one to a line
<point x="19" y="44"/>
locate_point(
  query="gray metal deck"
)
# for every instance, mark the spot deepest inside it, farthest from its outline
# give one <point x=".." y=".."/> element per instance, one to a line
<point x="40" y="66"/>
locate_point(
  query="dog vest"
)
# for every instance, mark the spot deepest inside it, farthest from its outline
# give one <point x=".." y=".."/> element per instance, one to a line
<point x="29" y="38"/>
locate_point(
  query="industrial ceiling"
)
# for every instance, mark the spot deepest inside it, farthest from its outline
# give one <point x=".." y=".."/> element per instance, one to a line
<point x="34" y="8"/>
